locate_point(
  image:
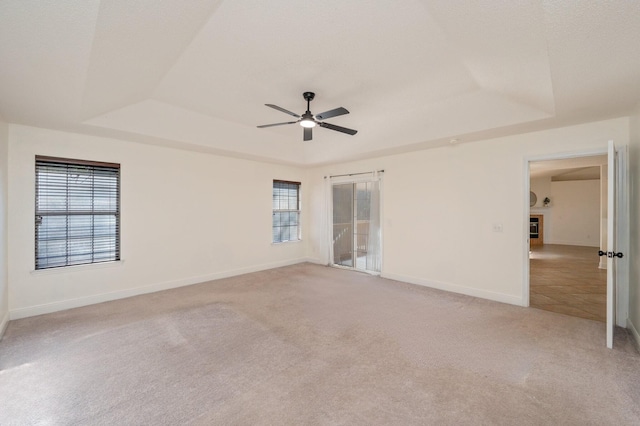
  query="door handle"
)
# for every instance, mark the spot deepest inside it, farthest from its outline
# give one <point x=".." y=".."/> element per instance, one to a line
<point x="611" y="254"/>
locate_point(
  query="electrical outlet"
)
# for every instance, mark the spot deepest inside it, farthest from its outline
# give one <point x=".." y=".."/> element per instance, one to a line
<point x="497" y="227"/>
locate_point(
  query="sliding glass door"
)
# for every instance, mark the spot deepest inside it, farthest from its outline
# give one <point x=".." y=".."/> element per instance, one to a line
<point x="356" y="225"/>
<point x="343" y="203"/>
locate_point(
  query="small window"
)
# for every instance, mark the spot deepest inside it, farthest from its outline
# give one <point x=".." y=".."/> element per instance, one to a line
<point x="77" y="217"/>
<point x="286" y="211"/>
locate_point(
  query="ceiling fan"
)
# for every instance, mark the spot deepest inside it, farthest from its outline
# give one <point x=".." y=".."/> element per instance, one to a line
<point x="309" y="121"/>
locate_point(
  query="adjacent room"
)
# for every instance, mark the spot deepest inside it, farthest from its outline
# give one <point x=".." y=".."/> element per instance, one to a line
<point x="567" y="231"/>
<point x="345" y="212"/>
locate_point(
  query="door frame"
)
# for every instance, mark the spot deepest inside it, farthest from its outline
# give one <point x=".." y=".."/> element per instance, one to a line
<point x="622" y="283"/>
<point x="354" y="178"/>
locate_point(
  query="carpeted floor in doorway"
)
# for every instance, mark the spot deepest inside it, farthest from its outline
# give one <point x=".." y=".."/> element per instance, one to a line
<point x="307" y="344"/>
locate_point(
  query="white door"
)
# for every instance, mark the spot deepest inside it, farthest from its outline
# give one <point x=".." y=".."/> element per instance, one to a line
<point x="611" y="254"/>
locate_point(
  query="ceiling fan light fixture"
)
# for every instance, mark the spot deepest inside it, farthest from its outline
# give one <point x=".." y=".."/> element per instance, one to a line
<point x="308" y="123"/>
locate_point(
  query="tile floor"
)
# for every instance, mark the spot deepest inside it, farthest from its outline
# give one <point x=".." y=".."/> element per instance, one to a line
<point x="566" y="280"/>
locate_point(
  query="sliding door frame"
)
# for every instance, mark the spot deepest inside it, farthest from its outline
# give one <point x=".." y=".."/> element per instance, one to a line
<point x="353" y="179"/>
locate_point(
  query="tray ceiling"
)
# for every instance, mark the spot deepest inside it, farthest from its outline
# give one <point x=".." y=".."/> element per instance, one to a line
<point x="414" y="74"/>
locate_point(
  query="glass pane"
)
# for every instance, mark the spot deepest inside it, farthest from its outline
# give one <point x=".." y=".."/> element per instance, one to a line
<point x="342" y="224"/>
<point x="363" y="200"/>
<point x="286" y="222"/>
<point x="77" y="210"/>
<point x="355" y="230"/>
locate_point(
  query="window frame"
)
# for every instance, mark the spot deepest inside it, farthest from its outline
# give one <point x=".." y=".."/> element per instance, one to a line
<point x="95" y="169"/>
<point x="278" y="210"/>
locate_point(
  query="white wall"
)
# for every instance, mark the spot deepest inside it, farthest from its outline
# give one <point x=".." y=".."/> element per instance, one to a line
<point x="542" y="188"/>
<point x="4" y="284"/>
<point x="634" y="249"/>
<point x="575" y="212"/>
<point x="573" y="217"/>
<point x="440" y="206"/>
<point x="186" y="217"/>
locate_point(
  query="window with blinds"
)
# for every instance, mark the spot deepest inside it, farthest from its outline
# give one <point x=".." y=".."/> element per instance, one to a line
<point x="286" y="211"/>
<point x="77" y="218"/>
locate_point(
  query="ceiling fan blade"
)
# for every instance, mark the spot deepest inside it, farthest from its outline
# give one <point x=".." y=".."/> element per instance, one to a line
<point x="332" y="113"/>
<point x="282" y="109"/>
<point x="338" y="128"/>
<point x="307" y="133"/>
<point x="276" y="124"/>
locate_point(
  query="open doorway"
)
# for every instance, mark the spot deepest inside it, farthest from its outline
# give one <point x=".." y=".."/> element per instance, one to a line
<point x="567" y="231"/>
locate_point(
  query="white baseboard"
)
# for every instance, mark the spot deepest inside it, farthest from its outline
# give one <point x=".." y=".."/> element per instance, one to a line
<point x="634" y="333"/>
<point x="316" y="261"/>
<point x="3" y="324"/>
<point x="62" y="305"/>
<point x="454" y="288"/>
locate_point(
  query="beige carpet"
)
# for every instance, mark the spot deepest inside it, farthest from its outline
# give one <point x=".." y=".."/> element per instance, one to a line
<point x="308" y="344"/>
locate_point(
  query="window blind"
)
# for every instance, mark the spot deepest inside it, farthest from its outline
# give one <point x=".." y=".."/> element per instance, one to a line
<point x="286" y="211"/>
<point x="77" y="218"/>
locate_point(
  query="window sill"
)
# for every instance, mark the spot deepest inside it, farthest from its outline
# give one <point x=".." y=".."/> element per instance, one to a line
<point x="78" y="268"/>
<point x="286" y="242"/>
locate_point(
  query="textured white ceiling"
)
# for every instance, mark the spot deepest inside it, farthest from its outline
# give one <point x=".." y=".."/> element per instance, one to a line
<point x="414" y="74"/>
